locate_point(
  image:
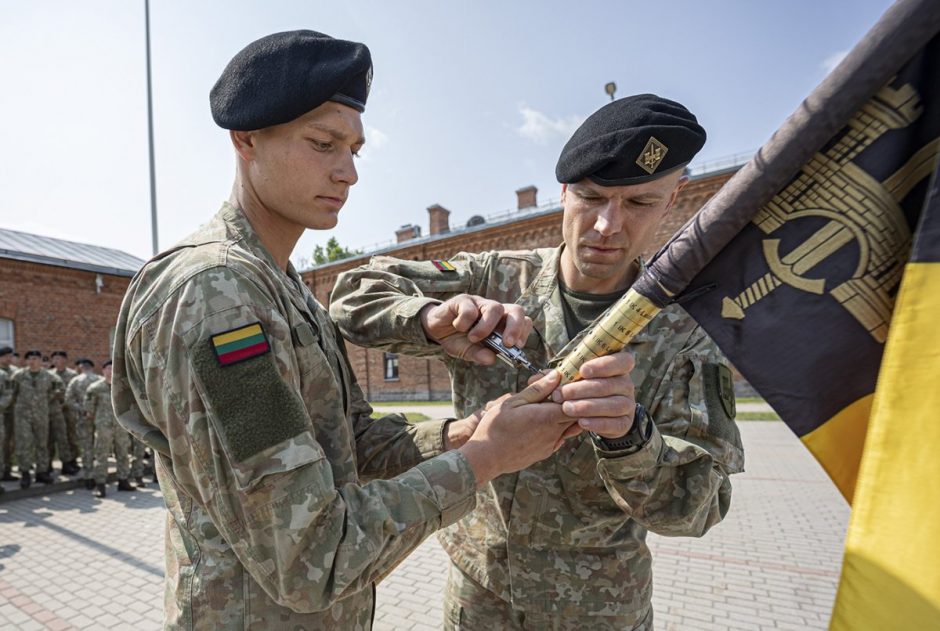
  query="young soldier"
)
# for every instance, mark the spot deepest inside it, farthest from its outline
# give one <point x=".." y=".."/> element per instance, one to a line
<point x="84" y="427"/>
<point x="561" y="545"/>
<point x="35" y="391"/>
<point x="287" y="502"/>
<point x="61" y="423"/>
<point x="109" y="436"/>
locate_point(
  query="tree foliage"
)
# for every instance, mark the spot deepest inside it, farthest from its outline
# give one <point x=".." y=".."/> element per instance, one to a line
<point x="332" y="252"/>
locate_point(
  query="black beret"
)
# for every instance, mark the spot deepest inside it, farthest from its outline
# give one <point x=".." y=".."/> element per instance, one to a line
<point x="106" y="364"/>
<point x="32" y="354"/>
<point x="5" y="350"/>
<point x="84" y="361"/>
<point x="629" y="141"/>
<point x="282" y="76"/>
<point x="60" y="354"/>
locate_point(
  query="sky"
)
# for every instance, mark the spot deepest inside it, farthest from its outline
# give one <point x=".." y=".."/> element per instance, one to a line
<point x="469" y="101"/>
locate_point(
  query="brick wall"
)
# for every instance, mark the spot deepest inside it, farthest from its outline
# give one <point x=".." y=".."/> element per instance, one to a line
<point x="57" y="308"/>
<point x="541" y="230"/>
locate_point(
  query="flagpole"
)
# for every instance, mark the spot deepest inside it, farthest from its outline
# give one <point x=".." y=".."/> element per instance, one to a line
<point x="153" y="176"/>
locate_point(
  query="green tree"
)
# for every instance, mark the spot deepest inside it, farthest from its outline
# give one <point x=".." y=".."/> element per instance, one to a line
<point x="332" y="252"/>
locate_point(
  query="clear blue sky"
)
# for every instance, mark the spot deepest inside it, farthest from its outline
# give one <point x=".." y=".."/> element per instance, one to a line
<point x="469" y="102"/>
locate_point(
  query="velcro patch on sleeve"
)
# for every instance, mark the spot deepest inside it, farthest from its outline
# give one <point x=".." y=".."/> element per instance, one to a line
<point x="444" y="266"/>
<point x="237" y="345"/>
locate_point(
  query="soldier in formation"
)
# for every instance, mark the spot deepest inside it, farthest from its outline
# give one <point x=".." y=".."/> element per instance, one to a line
<point x="109" y="436"/>
<point x="35" y="393"/>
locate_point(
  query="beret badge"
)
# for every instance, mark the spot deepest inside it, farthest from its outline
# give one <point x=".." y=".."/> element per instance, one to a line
<point x="652" y="155"/>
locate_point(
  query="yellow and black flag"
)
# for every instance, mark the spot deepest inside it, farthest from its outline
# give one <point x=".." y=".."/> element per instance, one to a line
<point x="891" y="569"/>
<point x="800" y="293"/>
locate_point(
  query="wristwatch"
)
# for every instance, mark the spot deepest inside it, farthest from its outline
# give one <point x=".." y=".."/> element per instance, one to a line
<point x="640" y="432"/>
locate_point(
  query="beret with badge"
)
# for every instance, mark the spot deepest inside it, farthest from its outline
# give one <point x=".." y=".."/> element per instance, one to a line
<point x="631" y="140"/>
<point x="279" y="77"/>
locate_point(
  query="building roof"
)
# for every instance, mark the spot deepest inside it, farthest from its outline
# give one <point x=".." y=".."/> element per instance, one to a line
<point x="34" y="248"/>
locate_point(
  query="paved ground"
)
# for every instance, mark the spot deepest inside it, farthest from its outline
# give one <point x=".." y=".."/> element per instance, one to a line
<point x="72" y="561"/>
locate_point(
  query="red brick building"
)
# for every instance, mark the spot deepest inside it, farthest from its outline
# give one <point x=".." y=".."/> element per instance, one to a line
<point x="60" y="295"/>
<point x="386" y="376"/>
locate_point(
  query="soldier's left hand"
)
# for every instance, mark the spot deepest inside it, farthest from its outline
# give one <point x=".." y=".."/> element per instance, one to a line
<point x="603" y="400"/>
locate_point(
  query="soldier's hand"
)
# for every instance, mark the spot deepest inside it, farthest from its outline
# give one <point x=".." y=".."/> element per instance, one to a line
<point x="603" y="401"/>
<point x="519" y="430"/>
<point x="460" y="323"/>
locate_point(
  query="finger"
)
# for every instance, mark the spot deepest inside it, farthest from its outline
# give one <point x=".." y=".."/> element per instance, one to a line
<point x="517" y="325"/>
<point x="466" y="312"/>
<point x="490" y="314"/>
<point x="608" y="407"/>
<point x="608" y="366"/>
<point x="572" y="430"/>
<point x="490" y="404"/>
<point x="538" y="376"/>
<point x="607" y="427"/>
<point x="597" y="388"/>
<point x="540" y="390"/>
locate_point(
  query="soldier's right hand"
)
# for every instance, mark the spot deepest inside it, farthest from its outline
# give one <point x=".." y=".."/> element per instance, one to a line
<point x="518" y="430"/>
<point x="459" y="324"/>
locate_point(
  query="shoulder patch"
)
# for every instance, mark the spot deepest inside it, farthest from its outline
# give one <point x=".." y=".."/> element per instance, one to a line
<point x="719" y="390"/>
<point x="240" y="344"/>
<point x="444" y="266"/>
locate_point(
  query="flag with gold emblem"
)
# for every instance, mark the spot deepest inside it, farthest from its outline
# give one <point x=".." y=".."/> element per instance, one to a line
<point x="802" y="253"/>
<point x="891" y="568"/>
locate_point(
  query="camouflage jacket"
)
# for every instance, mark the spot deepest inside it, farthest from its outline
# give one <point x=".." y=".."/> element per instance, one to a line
<point x="35" y="392"/>
<point x="566" y="536"/>
<point x="98" y="403"/>
<point x="66" y="375"/>
<point x="75" y="392"/>
<point x="6" y="390"/>
<point x="265" y="450"/>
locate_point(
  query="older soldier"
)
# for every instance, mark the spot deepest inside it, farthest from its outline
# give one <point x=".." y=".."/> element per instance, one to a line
<point x="84" y="427"/>
<point x="6" y="418"/>
<point x="35" y="392"/>
<point x="61" y="423"/>
<point x="283" y="511"/>
<point x="561" y="545"/>
<point x="109" y="436"/>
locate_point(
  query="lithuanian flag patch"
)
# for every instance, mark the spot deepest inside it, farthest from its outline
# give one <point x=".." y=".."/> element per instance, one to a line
<point x="444" y="266"/>
<point x="240" y="344"/>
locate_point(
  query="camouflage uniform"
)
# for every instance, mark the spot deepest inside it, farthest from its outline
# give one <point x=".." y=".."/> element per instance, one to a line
<point x="6" y="397"/>
<point x="109" y="436"/>
<point x="137" y="456"/>
<point x="6" y="419"/>
<point x="61" y="424"/>
<point x="35" y="393"/>
<point x="84" y="427"/>
<point x="564" y="539"/>
<point x="264" y="463"/>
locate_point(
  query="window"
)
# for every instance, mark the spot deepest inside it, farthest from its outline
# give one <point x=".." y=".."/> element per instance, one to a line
<point x="391" y="367"/>
<point x="6" y="332"/>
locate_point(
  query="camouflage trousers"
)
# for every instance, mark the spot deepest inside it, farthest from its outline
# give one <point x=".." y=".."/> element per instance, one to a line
<point x="85" y="436"/>
<point x="4" y="461"/>
<point x="468" y="606"/>
<point x="59" y="434"/>
<point x="8" y="432"/>
<point x="137" y="457"/>
<point x="32" y="440"/>
<point x="111" y="437"/>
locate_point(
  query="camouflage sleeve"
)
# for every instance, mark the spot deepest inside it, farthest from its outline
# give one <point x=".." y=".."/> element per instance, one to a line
<point x="91" y="402"/>
<point x="73" y="396"/>
<point x="6" y="391"/>
<point x="377" y="305"/>
<point x="254" y="463"/>
<point x="389" y="445"/>
<point x="677" y="483"/>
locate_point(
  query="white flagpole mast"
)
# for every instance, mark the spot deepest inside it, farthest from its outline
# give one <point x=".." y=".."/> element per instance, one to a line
<point x="153" y="177"/>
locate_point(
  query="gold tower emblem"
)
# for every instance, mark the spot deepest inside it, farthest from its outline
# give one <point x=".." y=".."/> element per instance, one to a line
<point x="857" y="208"/>
<point x="652" y="154"/>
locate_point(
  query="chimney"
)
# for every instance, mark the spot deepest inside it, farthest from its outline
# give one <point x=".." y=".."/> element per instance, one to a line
<point x="526" y="197"/>
<point x="407" y="233"/>
<point x="438" y="219"/>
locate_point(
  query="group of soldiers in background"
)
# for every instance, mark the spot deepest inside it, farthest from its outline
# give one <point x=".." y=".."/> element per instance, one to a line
<point x="50" y="409"/>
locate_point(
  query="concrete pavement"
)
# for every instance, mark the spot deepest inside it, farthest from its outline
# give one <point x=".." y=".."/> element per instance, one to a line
<point x="70" y="561"/>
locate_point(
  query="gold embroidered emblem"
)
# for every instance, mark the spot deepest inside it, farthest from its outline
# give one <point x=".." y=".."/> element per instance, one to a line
<point x="652" y="154"/>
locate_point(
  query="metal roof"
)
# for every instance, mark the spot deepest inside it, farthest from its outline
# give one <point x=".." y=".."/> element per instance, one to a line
<point x="34" y="248"/>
